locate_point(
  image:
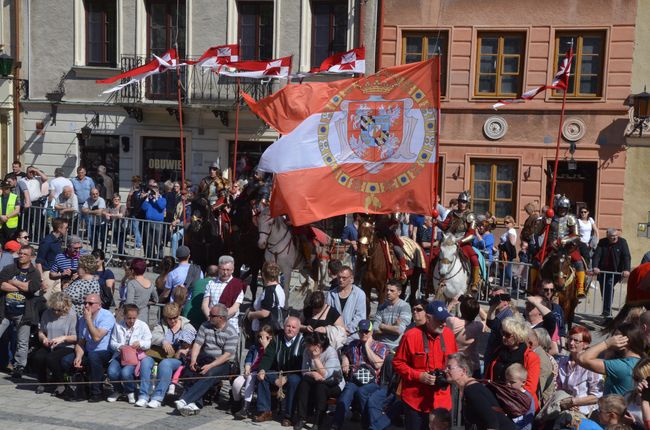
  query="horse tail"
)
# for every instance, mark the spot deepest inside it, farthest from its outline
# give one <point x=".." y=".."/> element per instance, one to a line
<point x="614" y="323"/>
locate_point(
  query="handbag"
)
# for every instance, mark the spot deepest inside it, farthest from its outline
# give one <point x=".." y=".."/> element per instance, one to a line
<point x="128" y="356"/>
<point x="513" y="402"/>
<point x="275" y="318"/>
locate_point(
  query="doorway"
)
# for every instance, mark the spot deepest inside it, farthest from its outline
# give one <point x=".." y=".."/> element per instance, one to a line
<point x="579" y="184"/>
<point x="101" y="150"/>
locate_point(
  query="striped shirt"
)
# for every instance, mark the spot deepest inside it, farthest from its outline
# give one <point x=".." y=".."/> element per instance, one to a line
<point x="62" y="262"/>
<point x="216" y="341"/>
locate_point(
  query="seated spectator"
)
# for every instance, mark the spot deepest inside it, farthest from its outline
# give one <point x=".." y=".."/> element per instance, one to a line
<point x="515" y="350"/>
<point x="321" y="379"/>
<point x="627" y="345"/>
<point x="266" y="307"/>
<point x="67" y="204"/>
<point x="468" y="331"/>
<point x="84" y="283"/>
<point x="139" y="290"/>
<point x="66" y="263"/>
<point x="391" y="317"/>
<point x="539" y="314"/>
<point x="361" y="362"/>
<point x="333" y="269"/>
<point x="21" y="237"/>
<point x="19" y="284"/>
<point x="318" y="316"/>
<point x="130" y="338"/>
<point x="540" y="343"/>
<point x="244" y="385"/>
<point x="480" y="409"/>
<point x="548" y="291"/>
<point x="225" y="289"/>
<point x="167" y="349"/>
<point x="516" y="377"/>
<point x="611" y="410"/>
<point x="105" y="278"/>
<point x="193" y="309"/>
<point x="12" y="247"/>
<point x="583" y="385"/>
<point x="283" y="354"/>
<point x="214" y="347"/>
<point x="165" y="267"/>
<point x="57" y="335"/>
<point x="349" y="300"/>
<point x="48" y="248"/>
<point x="440" y="419"/>
<point x="184" y="273"/>
<point x="92" y="350"/>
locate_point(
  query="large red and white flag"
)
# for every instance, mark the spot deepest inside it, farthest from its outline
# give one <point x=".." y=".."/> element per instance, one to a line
<point x="217" y="56"/>
<point x="560" y="82"/>
<point x="279" y="68"/>
<point x="353" y="61"/>
<point x="355" y="145"/>
<point x="157" y="65"/>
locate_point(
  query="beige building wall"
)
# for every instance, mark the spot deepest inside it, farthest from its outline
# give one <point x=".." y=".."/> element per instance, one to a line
<point x="636" y="206"/>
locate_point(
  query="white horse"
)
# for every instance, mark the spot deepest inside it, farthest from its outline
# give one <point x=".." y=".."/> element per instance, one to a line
<point x="279" y="247"/>
<point x="449" y="275"/>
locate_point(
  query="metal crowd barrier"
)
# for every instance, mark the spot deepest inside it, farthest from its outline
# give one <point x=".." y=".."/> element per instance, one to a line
<point x="117" y="237"/>
<point x="606" y="287"/>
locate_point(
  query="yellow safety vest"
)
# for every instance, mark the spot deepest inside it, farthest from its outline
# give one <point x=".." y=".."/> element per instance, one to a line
<point x="11" y="205"/>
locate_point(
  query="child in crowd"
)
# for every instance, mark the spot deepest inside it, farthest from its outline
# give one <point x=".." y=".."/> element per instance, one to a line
<point x="611" y="409"/>
<point x="440" y="419"/>
<point x="185" y="339"/>
<point x="516" y="376"/>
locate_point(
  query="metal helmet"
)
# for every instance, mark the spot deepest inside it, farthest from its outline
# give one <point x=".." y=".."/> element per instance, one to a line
<point x="562" y="202"/>
<point x="465" y="197"/>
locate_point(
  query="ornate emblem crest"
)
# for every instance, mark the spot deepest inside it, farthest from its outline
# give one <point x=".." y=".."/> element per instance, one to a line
<point x="375" y="128"/>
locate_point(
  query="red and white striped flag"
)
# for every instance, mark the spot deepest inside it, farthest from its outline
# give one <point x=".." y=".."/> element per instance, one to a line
<point x="278" y="68"/>
<point x="353" y="61"/>
<point x="560" y="82"/>
<point x="157" y="65"/>
<point x="217" y="56"/>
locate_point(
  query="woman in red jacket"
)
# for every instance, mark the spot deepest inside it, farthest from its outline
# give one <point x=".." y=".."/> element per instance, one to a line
<point x="515" y="350"/>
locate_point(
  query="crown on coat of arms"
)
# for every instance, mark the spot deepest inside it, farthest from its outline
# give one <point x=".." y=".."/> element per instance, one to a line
<point x="379" y="86"/>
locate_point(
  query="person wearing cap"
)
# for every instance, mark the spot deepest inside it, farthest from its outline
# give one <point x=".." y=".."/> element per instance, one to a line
<point x="213" y="184"/>
<point x="415" y="362"/>
<point x="181" y="275"/>
<point x="12" y="246"/>
<point x="392" y="316"/>
<point x="9" y="210"/>
<point x="361" y="362"/>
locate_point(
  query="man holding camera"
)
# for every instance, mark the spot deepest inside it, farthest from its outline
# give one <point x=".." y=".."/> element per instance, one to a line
<point x="66" y="263"/>
<point x="153" y="206"/>
<point x="498" y="311"/>
<point x="420" y="361"/>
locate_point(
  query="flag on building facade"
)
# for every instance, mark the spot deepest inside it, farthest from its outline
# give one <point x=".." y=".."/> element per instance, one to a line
<point x="278" y="68"/>
<point x="157" y="65"/>
<point x="217" y="56"/>
<point x="560" y="82"/>
<point x="369" y="146"/>
<point x="353" y="61"/>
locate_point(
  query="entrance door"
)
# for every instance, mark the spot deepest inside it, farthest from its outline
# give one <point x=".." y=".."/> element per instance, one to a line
<point x="161" y="158"/>
<point x="100" y="150"/>
<point x="578" y="185"/>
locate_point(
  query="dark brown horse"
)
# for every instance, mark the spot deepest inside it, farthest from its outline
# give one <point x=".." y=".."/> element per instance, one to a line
<point x="205" y="234"/>
<point x="558" y="268"/>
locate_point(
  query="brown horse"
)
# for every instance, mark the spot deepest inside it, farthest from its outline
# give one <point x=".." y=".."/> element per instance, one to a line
<point x="558" y="268"/>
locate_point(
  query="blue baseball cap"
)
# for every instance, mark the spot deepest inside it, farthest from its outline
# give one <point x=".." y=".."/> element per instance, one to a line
<point x="438" y="310"/>
<point x="365" y="325"/>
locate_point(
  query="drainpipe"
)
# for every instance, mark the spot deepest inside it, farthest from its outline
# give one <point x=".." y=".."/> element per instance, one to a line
<point x="380" y="34"/>
<point x="16" y="81"/>
<point x="361" y="10"/>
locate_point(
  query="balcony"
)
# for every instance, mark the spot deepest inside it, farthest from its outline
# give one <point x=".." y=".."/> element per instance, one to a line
<point x="198" y="87"/>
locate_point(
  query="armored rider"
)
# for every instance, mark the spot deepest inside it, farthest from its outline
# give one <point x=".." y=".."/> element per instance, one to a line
<point x="563" y="233"/>
<point x="212" y="186"/>
<point x="386" y="228"/>
<point x="462" y="224"/>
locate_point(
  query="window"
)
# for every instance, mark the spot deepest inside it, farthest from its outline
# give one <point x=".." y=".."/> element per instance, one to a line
<point x="586" y="78"/>
<point x="329" y="29"/>
<point x="165" y="28"/>
<point x="101" y="150"/>
<point x="500" y="64"/>
<point x="256" y="30"/>
<point x="101" y="34"/>
<point x="493" y="185"/>
<point x="422" y="46"/>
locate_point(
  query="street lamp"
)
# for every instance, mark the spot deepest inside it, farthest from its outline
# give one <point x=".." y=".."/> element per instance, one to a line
<point x="640" y="110"/>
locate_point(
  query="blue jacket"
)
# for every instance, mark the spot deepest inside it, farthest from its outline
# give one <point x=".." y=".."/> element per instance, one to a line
<point x="154" y="210"/>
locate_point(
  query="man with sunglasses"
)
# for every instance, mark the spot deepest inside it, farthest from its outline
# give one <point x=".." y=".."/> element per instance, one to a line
<point x="548" y="291"/>
<point x="66" y="263"/>
<point x="19" y="283"/>
<point x="93" y="341"/>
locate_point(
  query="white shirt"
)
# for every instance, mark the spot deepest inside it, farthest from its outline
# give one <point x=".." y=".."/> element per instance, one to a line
<point x="138" y="333"/>
<point x="34" y="188"/>
<point x="584" y="229"/>
<point x="279" y="291"/>
<point x="511" y="232"/>
<point x="214" y="290"/>
<point x="57" y="185"/>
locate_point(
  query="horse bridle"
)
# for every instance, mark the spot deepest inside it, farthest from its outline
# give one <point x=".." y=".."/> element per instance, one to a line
<point x="446" y="261"/>
<point x="269" y="246"/>
<point x="368" y="240"/>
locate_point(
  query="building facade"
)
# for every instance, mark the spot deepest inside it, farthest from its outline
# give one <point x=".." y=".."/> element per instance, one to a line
<point x="496" y="50"/>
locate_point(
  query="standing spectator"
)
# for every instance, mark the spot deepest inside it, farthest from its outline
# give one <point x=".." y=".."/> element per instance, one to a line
<point x="16" y="170"/>
<point x="177" y="226"/>
<point x="193" y="309"/>
<point x="134" y="209"/>
<point x="82" y="184"/>
<point x="173" y="197"/>
<point x="508" y="248"/>
<point x="19" y="283"/>
<point x="284" y="353"/>
<point x="350" y="236"/>
<point x="548" y="291"/>
<point x="350" y="301"/>
<point x="139" y="290"/>
<point x="184" y="274"/>
<point x="9" y="210"/>
<point x="92" y="349"/>
<point x="67" y="204"/>
<point x="426" y="240"/>
<point x="225" y="289"/>
<point x="106" y="279"/>
<point x="48" y="248"/>
<point x="361" y="361"/>
<point x="214" y="347"/>
<point x="588" y="232"/>
<point x="84" y="283"/>
<point x="392" y="317"/>
<point x="266" y="307"/>
<point x="94" y="208"/>
<point x="612" y="255"/>
<point x="34" y="181"/>
<point x="421" y="351"/>
<point x="108" y="181"/>
<point x="468" y="331"/>
<point x="500" y="309"/>
<point x="66" y="263"/>
<point x="59" y="183"/>
<point x="526" y="234"/>
<point x="484" y="239"/>
<point x="154" y="206"/>
<point x="114" y="214"/>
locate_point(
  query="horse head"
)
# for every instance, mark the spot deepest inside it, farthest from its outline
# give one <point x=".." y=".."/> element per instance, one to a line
<point x="366" y="237"/>
<point x="448" y="254"/>
<point x="264" y="226"/>
<point x="558" y="269"/>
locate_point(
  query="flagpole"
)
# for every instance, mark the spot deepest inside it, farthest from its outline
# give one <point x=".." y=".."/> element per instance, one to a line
<point x="436" y="152"/>
<point x="234" y="166"/>
<point x="182" y="136"/>
<point x="557" y="158"/>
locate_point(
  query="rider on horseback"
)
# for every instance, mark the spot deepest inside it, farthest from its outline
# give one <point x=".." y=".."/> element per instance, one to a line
<point x="212" y="186"/>
<point x="563" y="233"/>
<point x="462" y="224"/>
<point x="386" y="228"/>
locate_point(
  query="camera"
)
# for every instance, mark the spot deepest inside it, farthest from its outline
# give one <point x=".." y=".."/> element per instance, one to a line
<point x="441" y="379"/>
<point x="494" y="300"/>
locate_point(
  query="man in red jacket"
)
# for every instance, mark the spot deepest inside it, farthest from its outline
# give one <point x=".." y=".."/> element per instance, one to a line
<point x="420" y="366"/>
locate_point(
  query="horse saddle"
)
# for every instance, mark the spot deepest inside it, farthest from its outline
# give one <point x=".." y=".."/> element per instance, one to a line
<point x="414" y="253"/>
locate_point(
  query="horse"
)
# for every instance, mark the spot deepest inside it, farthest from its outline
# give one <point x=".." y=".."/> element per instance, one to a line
<point x="281" y="247"/>
<point x="450" y="276"/>
<point x="246" y="236"/>
<point x="204" y="234"/>
<point x="557" y="268"/>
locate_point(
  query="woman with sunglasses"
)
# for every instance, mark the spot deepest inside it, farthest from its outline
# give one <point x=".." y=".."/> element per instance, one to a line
<point x="22" y="237"/>
<point x="85" y="283"/>
<point x="588" y="232"/>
